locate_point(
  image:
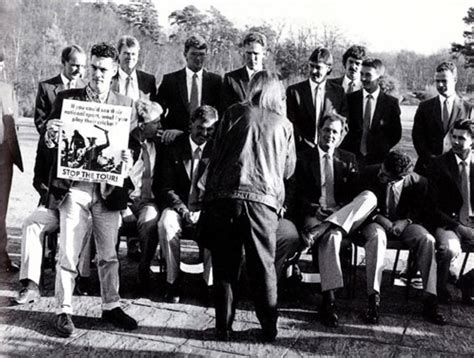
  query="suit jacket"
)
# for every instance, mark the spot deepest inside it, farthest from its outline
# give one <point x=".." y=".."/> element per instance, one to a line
<point x="308" y="179"/>
<point x="445" y="190"/>
<point x="302" y="113"/>
<point x="173" y="97"/>
<point x="234" y="87"/>
<point x="428" y="131"/>
<point x="413" y="201"/>
<point x="146" y="84"/>
<point x="172" y="179"/>
<point x="337" y="80"/>
<point x="10" y="139"/>
<point x="385" y="130"/>
<point x="47" y="92"/>
<point x="115" y="198"/>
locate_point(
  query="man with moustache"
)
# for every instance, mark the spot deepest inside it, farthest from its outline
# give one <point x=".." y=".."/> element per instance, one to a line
<point x="77" y="201"/>
<point x="374" y="117"/>
<point x="234" y="88"/>
<point x="435" y="117"/>
<point x="352" y="62"/>
<point x="309" y="101"/>
<point x="181" y="92"/>
<point x="129" y="81"/>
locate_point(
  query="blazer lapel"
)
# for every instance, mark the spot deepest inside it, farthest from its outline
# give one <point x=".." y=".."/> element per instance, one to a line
<point x="244" y="81"/>
<point x="455" y="113"/>
<point x="453" y="170"/>
<point x="186" y="157"/>
<point x="377" y="118"/>
<point x="307" y="98"/>
<point x="183" y="88"/>
<point x="205" y="94"/>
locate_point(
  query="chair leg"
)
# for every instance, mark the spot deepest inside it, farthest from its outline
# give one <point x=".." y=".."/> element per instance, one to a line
<point x="410" y="268"/>
<point x="394" y="270"/>
<point x="464" y="263"/>
<point x="43" y="259"/>
<point x="354" y="270"/>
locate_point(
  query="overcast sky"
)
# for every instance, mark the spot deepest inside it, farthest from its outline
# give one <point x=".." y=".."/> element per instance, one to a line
<point x="424" y="26"/>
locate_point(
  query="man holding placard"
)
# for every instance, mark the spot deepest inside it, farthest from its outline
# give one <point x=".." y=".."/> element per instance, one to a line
<point x="79" y="192"/>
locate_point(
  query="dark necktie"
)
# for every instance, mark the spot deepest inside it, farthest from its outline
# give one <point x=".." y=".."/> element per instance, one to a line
<point x="193" y="202"/>
<point x="128" y="86"/>
<point x="194" y="98"/>
<point x="390" y="201"/>
<point x="329" y="182"/>
<point x="366" y="125"/>
<point x="350" y="88"/>
<point x="146" y="177"/>
<point x="445" y="116"/>
<point x="465" y="192"/>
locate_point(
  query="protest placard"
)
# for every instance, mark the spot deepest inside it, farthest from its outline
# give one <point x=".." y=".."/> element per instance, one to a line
<point x="91" y="141"/>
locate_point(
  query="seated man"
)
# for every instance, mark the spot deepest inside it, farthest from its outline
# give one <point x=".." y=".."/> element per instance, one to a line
<point x="176" y="187"/>
<point x="326" y="177"/>
<point x="142" y="209"/>
<point x="450" y="177"/>
<point x="401" y="195"/>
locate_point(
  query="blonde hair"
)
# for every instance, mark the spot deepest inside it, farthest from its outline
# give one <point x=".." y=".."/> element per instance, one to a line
<point x="267" y="91"/>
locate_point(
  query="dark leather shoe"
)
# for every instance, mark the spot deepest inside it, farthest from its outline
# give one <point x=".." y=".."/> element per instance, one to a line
<point x="444" y="297"/>
<point x="372" y="314"/>
<point x="223" y="335"/>
<point x="431" y="314"/>
<point x="466" y="285"/>
<point x="64" y="325"/>
<point x="27" y="295"/>
<point x="9" y="267"/>
<point x="269" y="335"/>
<point x="173" y="293"/>
<point x="328" y="315"/>
<point x="119" y="319"/>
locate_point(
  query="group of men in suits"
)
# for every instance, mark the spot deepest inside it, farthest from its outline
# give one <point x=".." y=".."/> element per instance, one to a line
<point x="170" y="143"/>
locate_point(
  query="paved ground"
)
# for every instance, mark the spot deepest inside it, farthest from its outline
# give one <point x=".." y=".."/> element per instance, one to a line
<point x="187" y="328"/>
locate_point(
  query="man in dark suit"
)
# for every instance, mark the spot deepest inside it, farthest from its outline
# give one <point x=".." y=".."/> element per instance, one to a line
<point x="308" y="101"/>
<point x="331" y="208"/>
<point x="401" y="213"/>
<point x="181" y="92"/>
<point x="129" y="81"/>
<point x="9" y="155"/>
<point x="352" y="62"/>
<point x="234" y="88"/>
<point x="374" y="117"/>
<point x="78" y="200"/>
<point x="435" y="117"/>
<point x="176" y="188"/>
<point x="451" y="181"/>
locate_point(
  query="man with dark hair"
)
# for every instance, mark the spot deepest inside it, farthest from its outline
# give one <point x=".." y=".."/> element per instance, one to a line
<point x="176" y="188"/>
<point x="451" y="185"/>
<point x="331" y="208"/>
<point x="374" y="117"/>
<point x="181" y="92"/>
<point x="77" y="200"/>
<point x="435" y="117"/>
<point x="236" y="82"/>
<point x="352" y="62"/>
<point x="309" y="101"/>
<point x="401" y="212"/>
<point x="129" y="81"/>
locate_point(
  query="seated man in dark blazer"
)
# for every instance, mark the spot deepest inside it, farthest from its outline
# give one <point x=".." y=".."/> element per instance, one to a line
<point x="234" y="88"/>
<point x="374" y="117"/>
<point x="451" y="178"/>
<point x="176" y="189"/>
<point x="352" y="62"/>
<point x="308" y="101"/>
<point x="331" y="208"/>
<point x="401" y="213"/>
<point x="435" y="117"/>
<point x="129" y="81"/>
<point x="181" y="92"/>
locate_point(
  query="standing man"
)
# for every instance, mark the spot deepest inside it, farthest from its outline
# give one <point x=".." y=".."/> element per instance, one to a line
<point x="77" y="201"/>
<point x="352" y="62"/>
<point x="435" y="117"/>
<point x="235" y="84"/>
<point x="308" y="101"/>
<point x="451" y="178"/>
<point x="331" y="208"/>
<point x="9" y="155"/>
<point x="176" y="186"/>
<point x="402" y="204"/>
<point x="129" y="81"/>
<point x="374" y="117"/>
<point x="181" y="92"/>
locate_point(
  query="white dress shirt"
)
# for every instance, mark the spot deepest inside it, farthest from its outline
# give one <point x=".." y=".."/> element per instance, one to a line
<point x="138" y="169"/>
<point x="122" y="79"/>
<point x="345" y="84"/>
